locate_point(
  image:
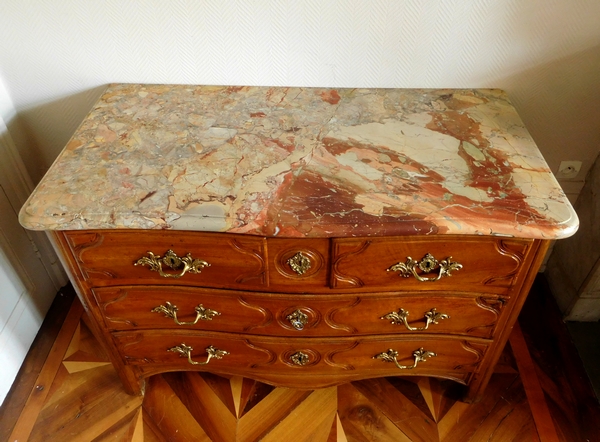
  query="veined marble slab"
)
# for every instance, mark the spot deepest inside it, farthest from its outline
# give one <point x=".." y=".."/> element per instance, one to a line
<point x="302" y="162"/>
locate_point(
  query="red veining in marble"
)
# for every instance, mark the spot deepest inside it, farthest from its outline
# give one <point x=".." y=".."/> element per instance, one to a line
<point x="492" y="173"/>
<point x="458" y="125"/>
<point x="302" y="162"/>
<point x="332" y="96"/>
<point x="314" y="206"/>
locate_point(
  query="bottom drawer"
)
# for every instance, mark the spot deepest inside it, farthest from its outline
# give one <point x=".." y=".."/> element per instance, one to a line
<point x="301" y="362"/>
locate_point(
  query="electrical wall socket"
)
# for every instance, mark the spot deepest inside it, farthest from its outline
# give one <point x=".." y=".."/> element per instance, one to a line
<point x="568" y="169"/>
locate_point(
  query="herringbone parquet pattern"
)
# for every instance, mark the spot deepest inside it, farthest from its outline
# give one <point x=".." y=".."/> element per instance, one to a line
<point x="83" y="400"/>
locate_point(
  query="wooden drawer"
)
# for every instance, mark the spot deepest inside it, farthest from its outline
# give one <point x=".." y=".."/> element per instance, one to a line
<point x="277" y="359"/>
<point x="452" y="263"/>
<point x="125" y="308"/>
<point x="298" y="265"/>
<point x="109" y="258"/>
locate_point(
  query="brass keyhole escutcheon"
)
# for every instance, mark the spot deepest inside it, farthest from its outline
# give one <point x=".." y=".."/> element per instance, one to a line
<point x="300" y="358"/>
<point x="298" y="319"/>
<point x="299" y="263"/>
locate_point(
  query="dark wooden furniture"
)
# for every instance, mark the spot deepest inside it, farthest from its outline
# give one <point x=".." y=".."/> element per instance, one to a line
<point x="343" y="315"/>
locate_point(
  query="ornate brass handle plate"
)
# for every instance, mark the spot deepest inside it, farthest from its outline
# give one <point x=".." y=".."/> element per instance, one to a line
<point x="187" y="264"/>
<point x="186" y="351"/>
<point x="420" y="355"/>
<point x="170" y="311"/>
<point x="427" y="264"/>
<point x="299" y="263"/>
<point x="299" y="358"/>
<point x="298" y="319"/>
<point x="401" y="317"/>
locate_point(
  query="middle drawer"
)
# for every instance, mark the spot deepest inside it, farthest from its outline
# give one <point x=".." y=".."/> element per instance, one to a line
<point x="169" y="307"/>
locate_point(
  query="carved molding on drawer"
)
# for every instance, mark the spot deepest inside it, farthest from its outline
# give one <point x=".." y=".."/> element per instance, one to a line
<point x="477" y="349"/>
<point x="129" y="339"/>
<point x="81" y="243"/>
<point x="117" y="295"/>
<point x="516" y="250"/>
<point x="492" y="304"/>
<point x="267" y="314"/>
<point x="261" y="274"/>
<point x="271" y="356"/>
<point x="288" y="357"/>
<point x="341" y="253"/>
<point x="330" y="355"/>
<point x="330" y="321"/>
<point x="138" y="361"/>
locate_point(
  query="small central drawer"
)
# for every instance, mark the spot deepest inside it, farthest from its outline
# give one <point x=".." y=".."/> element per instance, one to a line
<point x="138" y="307"/>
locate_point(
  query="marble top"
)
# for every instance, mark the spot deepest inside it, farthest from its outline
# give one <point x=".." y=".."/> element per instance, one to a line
<point x="302" y="162"/>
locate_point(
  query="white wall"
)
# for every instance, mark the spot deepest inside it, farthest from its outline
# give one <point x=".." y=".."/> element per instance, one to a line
<point x="546" y="53"/>
<point x="30" y="274"/>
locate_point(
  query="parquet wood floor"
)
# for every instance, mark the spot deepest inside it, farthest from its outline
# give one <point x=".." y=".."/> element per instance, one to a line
<point x="78" y="397"/>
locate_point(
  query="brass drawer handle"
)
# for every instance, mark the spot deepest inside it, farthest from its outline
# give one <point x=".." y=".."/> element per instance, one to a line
<point x="186" y="351"/>
<point x="300" y="358"/>
<point x="299" y="263"/>
<point x="170" y="311"/>
<point x="420" y="355"/>
<point x="427" y="264"/>
<point x="298" y="319"/>
<point x="401" y="317"/>
<point x="173" y="261"/>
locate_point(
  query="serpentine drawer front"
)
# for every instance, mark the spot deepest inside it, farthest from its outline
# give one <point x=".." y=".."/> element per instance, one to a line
<point x="302" y="237"/>
<point x="134" y="307"/>
<point x="333" y="359"/>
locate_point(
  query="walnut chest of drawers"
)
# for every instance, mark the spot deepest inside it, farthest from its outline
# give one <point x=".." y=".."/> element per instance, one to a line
<point x="302" y="237"/>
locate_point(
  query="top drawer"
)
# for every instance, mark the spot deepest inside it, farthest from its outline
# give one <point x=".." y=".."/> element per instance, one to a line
<point x="300" y="265"/>
<point x="175" y="258"/>
<point x="441" y="263"/>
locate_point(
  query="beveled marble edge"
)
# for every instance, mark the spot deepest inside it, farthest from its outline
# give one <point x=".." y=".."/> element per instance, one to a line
<point x="309" y="162"/>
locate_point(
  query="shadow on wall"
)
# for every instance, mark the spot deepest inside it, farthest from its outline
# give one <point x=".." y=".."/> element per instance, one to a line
<point x="573" y="270"/>
<point x="557" y="100"/>
<point x="56" y="120"/>
<point x="559" y="103"/>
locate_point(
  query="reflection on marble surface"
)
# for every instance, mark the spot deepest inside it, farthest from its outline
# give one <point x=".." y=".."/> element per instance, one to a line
<point x="302" y="162"/>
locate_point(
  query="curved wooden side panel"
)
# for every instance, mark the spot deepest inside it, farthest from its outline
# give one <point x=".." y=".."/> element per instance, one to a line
<point x="130" y="376"/>
<point x="81" y="243"/>
<point x="516" y="250"/>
